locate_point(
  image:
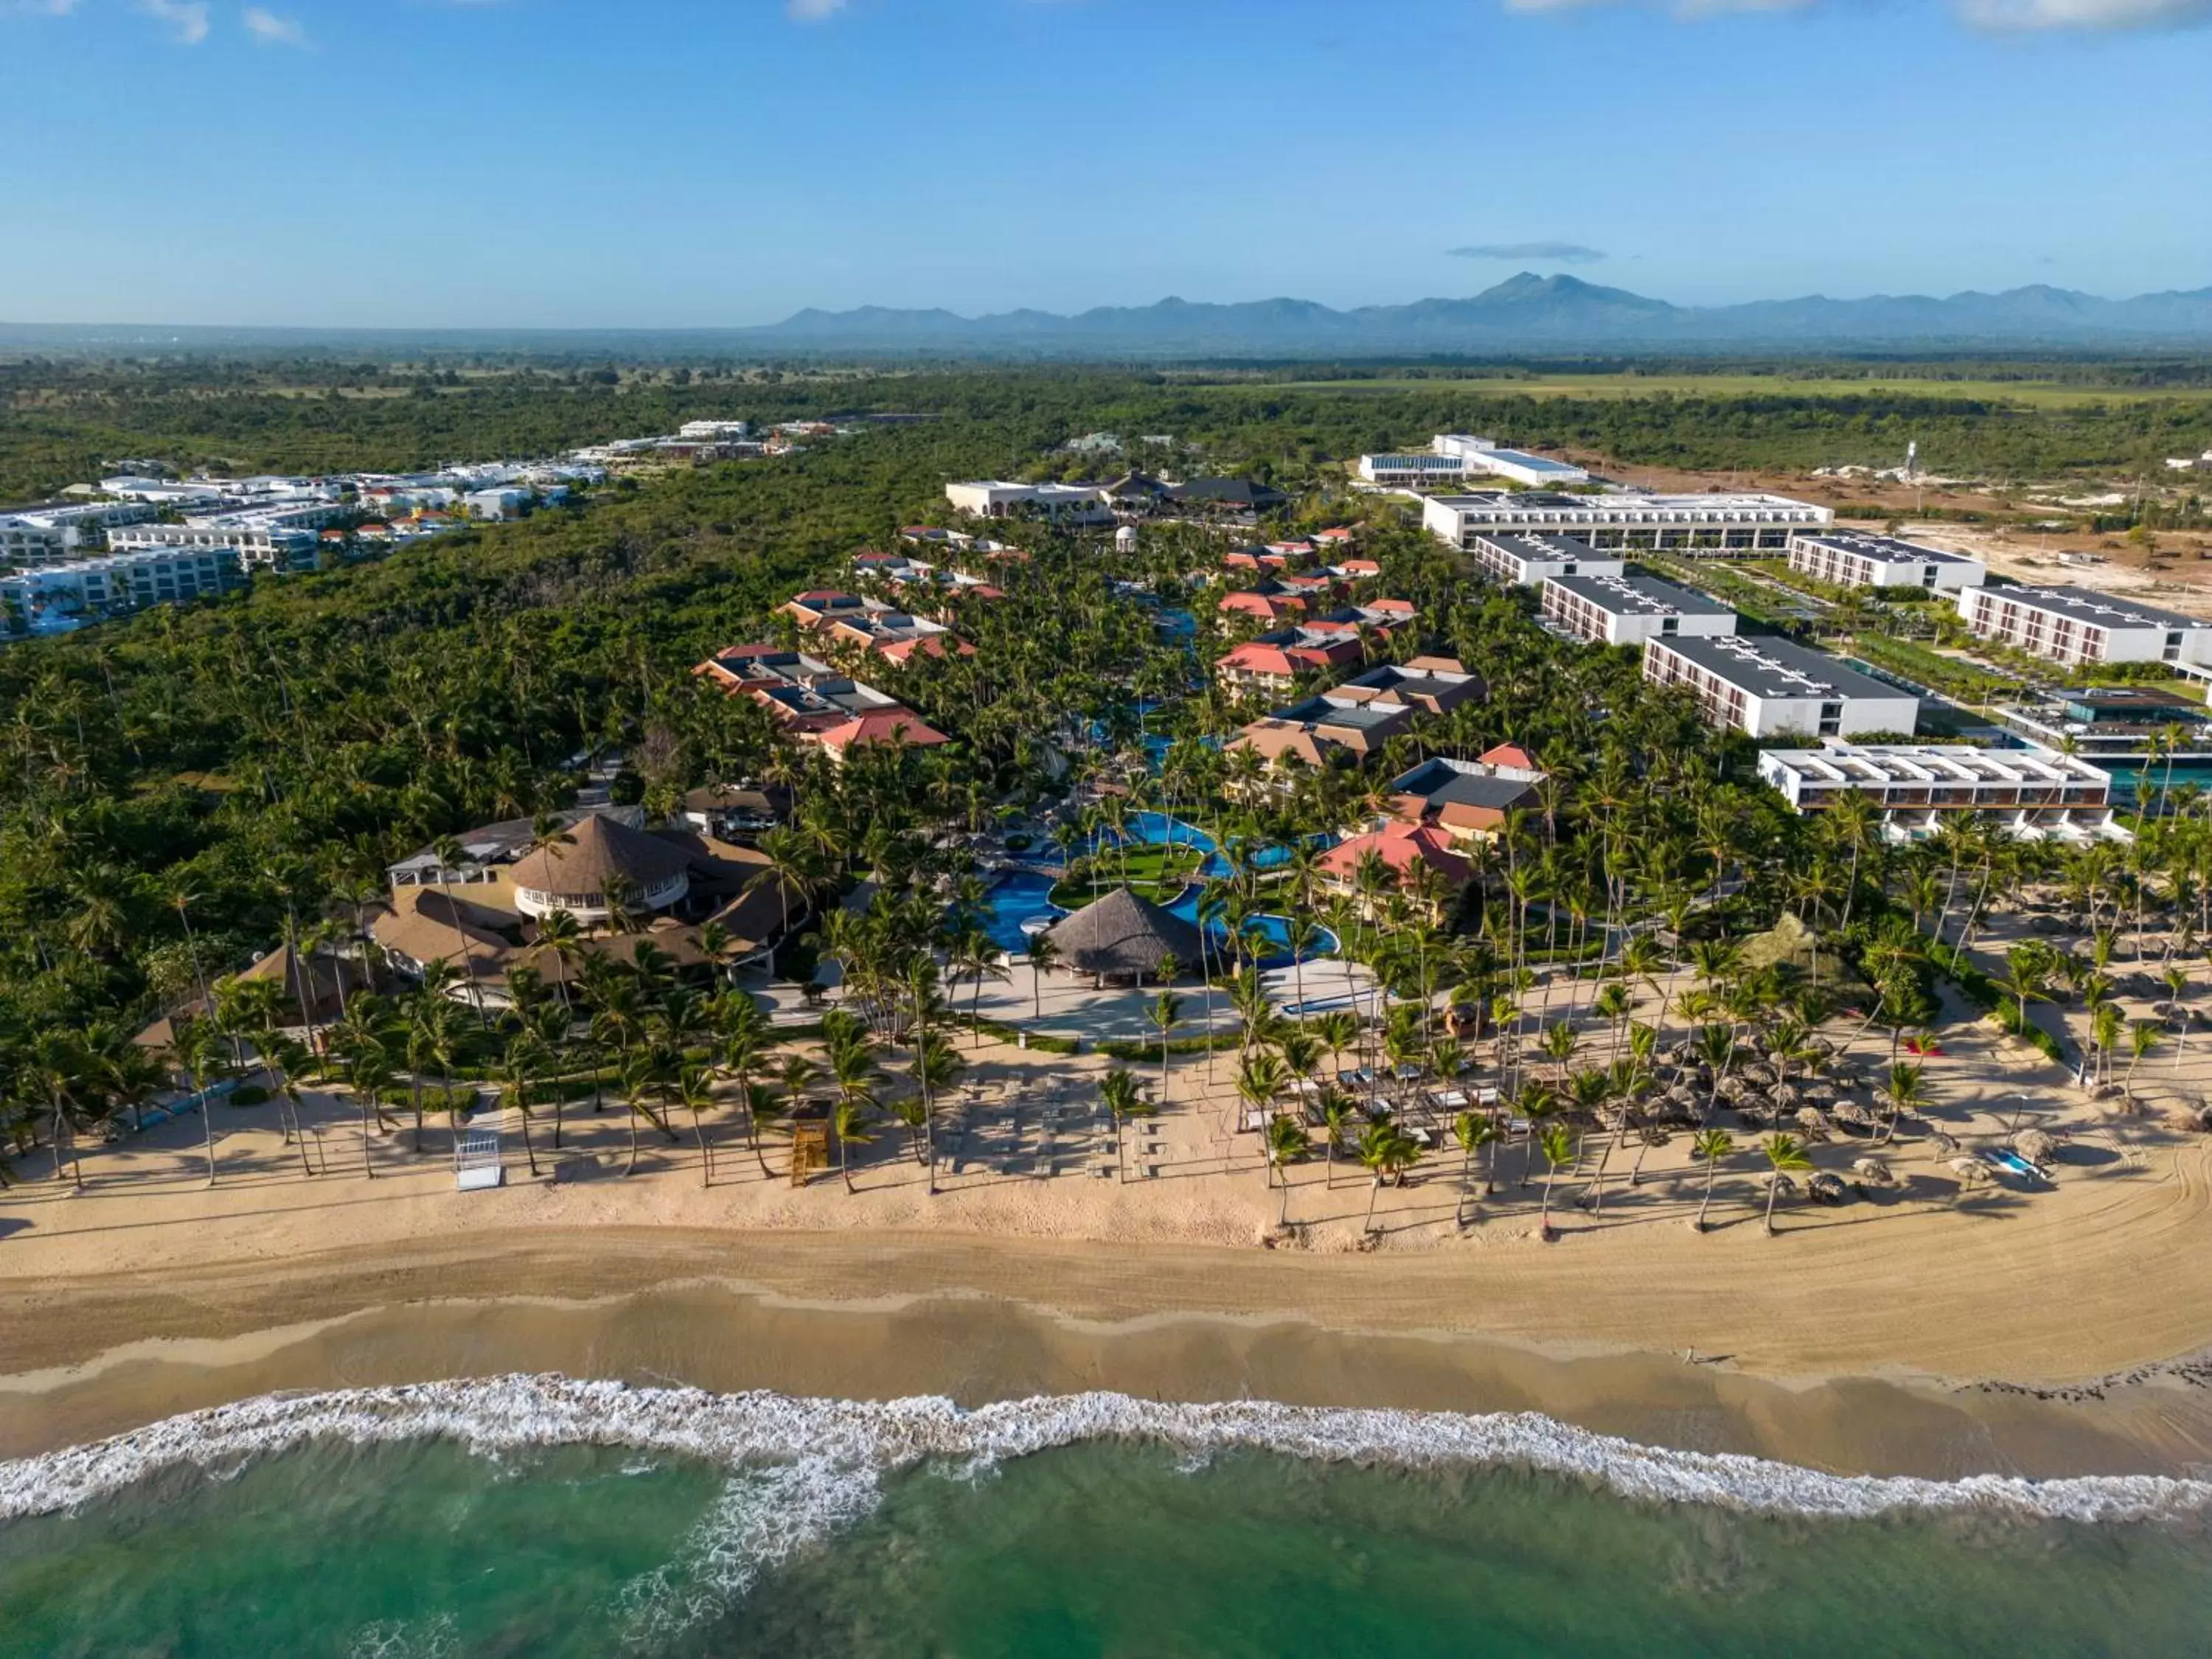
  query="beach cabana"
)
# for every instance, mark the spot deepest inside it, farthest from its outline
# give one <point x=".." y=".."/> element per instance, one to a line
<point x="1122" y="937"/>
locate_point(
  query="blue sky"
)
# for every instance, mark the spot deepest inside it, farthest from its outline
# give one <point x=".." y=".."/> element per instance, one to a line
<point x="672" y="163"/>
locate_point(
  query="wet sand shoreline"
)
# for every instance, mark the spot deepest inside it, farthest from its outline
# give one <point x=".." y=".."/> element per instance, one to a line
<point x="883" y="1317"/>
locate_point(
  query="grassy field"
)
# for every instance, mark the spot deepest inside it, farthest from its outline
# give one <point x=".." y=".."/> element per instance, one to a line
<point x="2030" y="394"/>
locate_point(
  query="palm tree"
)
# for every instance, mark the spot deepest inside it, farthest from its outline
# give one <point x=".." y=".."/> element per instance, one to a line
<point x="1557" y="1147"/>
<point x="526" y="1058"/>
<point x="1260" y="1080"/>
<point x="1788" y="1158"/>
<point x="1044" y="956"/>
<point x="1383" y="1152"/>
<point x="206" y="1054"/>
<point x="1336" y="1112"/>
<point x="1712" y="1145"/>
<point x="1123" y="1100"/>
<point x="1287" y="1145"/>
<point x="694" y="1091"/>
<point x="1473" y="1131"/>
<point x="1165" y="1013"/>
<point x="849" y="1120"/>
<point x="763" y="1107"/>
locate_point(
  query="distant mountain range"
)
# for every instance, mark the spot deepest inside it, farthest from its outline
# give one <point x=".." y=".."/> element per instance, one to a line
<point x="1549" y="314"/>
<point x="1525" y="314"/>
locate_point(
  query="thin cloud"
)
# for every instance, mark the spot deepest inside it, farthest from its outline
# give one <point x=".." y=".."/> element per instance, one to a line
<point x="813" y="11"/>
<point x="270" y="30"/>
<point x="1992" y="17"/>
<point x="187" y="19"/>
<point x="2031" y="17"/>
<point x="1572" y="254"/>
<point x="37" y="7"/>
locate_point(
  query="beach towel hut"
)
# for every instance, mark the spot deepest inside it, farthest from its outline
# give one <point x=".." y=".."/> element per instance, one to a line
<point x="1122" y="937"/>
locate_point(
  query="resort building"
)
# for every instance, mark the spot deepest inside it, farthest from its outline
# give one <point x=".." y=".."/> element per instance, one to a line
<point x="1368" y="868"/>
<point x="1525" y="561"/>
<point x="58" y="599"/>
<point x="2112" y="724"/>
<point x="2033" y="793"/>
<point x="1070" y="504"/>
<point x="1322" y="729"/>
<point x="263" y="546"/>
<point x="1269" y="603"/>
<point x="49" y="532"/>
<point x="818" y="705"/>
<point x="1629" y="609"/>
<point x="1273" y="662"/>
<point x="1468" y="800"/>
<point x="1522" y="467"/>
<point x="2077" y="625"/>
<point x="1453" y="456"/>
<point x="1738" y="524"/>
<point x="1411" y="471"/>
<point x="1768" y="688"/>
<point x="1430" y="685"/>
<point x="1844" y="558"/>
<point x="627" y="884"/>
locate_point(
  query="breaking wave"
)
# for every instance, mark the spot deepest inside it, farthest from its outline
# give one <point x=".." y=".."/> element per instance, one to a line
<point x="803" y="1468"/>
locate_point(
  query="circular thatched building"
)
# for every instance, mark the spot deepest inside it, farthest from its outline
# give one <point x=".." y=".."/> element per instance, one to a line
<point x="1122" y="937"/>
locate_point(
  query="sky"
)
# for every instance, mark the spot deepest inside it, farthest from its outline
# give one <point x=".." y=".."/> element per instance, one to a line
<point x="673" y="163"/>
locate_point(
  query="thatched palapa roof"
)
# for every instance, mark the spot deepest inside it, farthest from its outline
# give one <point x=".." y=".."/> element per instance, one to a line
<point x="1124" y="935"/>
<point x="592" y="850"/>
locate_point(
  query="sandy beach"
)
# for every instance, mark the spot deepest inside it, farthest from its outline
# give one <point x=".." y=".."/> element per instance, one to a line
<point x="1860" y="1338"/>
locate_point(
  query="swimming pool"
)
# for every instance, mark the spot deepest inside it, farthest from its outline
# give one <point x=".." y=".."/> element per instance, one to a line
<point x="1021" y="896"/>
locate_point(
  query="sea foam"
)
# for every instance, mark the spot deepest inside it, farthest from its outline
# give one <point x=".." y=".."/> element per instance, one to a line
<point x="803" y="1467"/>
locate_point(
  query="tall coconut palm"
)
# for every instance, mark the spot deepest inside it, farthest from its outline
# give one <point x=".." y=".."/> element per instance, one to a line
<point x="1474" y="1132"/>
<point x="1384" y="1152"/>
<point x="695" y="1092"/>
<point x="1287" y="1145"/>
<point x="1788" y="1158"/>
<point x="1164" y="1013"/>
<point x="1711" y="1146"/>
<point x="1559" y="1148"/>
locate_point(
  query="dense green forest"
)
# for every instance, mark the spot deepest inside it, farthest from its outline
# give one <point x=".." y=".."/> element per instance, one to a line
<point x="60" y="421"/>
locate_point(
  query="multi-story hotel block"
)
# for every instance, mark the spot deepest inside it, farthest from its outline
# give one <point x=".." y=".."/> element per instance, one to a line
<point x="1844" y="558"/>
<point x="1629" y="609"/>
<point x="2030" y="793"/>
<point x="2076" y="625"/>
<point x="1524" y="560"/>
<point x="1768" y="688"/>
<point x="1740" y="524"/>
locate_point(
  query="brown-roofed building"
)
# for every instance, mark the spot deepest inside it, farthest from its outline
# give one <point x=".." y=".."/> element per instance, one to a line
<point x="1433" y="685"/>
<point x="1466" y="799"/>
<point x="1400" y="849"/>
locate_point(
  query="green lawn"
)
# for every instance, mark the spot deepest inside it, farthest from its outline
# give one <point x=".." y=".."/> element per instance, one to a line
<point x="1159" y="874"/>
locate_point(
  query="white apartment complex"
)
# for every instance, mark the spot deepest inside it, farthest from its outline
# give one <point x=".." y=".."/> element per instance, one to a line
<point x="2033" y="793"/>
<point x="1768" y="688"/>
<point x="2077" y="625"/>
<point x="56" y="598"/>
<point x="1718" y="524"/>
<point x="261" y="547"/>
<point x="1631" y="610"/>
<point x="1525" y="561"/>
<point x="1844" y="558"/>
<point x="53" y="531"/>
<point x="1411" y="471"/>
<point x="1077" y="504"/>
<point x="1453" y="456"/>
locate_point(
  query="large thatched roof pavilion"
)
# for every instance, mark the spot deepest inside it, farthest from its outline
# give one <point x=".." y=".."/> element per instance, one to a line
<point x="1124" y="936"/>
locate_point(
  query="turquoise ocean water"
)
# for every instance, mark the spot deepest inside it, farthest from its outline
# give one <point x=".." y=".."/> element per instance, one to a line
<point x="535" y="1517"/>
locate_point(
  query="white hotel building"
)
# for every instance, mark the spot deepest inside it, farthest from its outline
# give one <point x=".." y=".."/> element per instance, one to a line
<point x="1631" y="610"/>
<point x="57" y="597"/>
<point x="1453" y="456"/>
<point x="1844" y="558"/>
<point x="2077" y="625"/>
<point x="1721" y="525"/>
<point x="1076" y="504"/>
<point x="53" y="531"/>
<point x="2036" y="794"/>
<point x="1525" y="561"/>
<point x="1768" y="688"/>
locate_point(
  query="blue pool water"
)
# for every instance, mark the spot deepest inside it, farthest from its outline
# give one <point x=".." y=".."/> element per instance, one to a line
<point x="1020" y="896"/>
